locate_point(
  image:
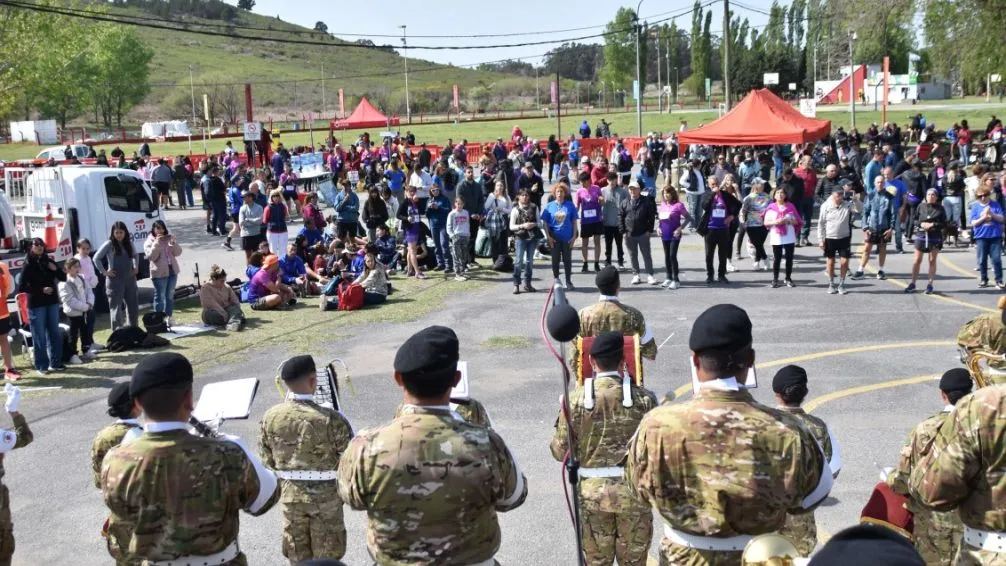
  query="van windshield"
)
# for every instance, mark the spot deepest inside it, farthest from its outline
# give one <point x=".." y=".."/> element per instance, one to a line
<point x="127" y="194"/>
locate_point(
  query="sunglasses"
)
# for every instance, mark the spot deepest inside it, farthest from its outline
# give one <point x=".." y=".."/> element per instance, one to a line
<point x="983" y="196"/>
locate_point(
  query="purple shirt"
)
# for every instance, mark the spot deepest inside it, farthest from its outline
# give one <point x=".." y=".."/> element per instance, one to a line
<point x="718" y="213"/>
<point x="670" y="216"/>
<point x="590" y="207"/>
<point x="257" y="286"/>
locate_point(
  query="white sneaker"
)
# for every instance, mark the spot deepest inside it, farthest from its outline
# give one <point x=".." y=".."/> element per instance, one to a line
<point x="96" y="347"/>
<point x="730" y="267"/>
<point x="650" y="280"/>
<point x="90" y="356"/>
<point x="169" y="321"/>
<point x="666" y="283"/>
<point x="75" y="359"/>
<point x="674" y="285"/>
<point x="636" y="280"/>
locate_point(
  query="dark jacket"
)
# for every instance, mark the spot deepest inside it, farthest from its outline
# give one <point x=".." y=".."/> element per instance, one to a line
<point x="733" y="206"/>
<point x="793" y="188"/>
<point x="39" y="273"/>
<point x="916" y="185"/>
<point x="471" y="193"/>
<point x="636" y="217"/>
<point x="930" y="213"/>
<point x="374" y="213"/>
<point x="826" y="186"/>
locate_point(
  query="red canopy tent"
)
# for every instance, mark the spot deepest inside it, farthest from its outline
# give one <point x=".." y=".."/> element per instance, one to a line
<point x="365" y="116"/>
<point x="762" y="118"/>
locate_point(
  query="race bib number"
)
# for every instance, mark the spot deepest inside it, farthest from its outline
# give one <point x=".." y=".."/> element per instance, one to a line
<point x="719" y="213"/>
<point x="354" y="176"/>
<point x="589" y="213"/>
<point x="291" y="188"/>
<point x="665" y="214"/>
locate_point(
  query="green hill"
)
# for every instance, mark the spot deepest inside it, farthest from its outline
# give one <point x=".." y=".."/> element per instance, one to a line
<point x="286" y="76"/>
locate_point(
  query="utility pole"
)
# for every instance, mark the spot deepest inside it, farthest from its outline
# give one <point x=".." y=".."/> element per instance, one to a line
<point x="405" y="55"/>
<point x="324" y="106"/>
<point x="852" y="79"/>
<point x="558" y="104"/>
<point x="674" y="88"/>
<point x="726" y="53"/>
<point x="192" y="92"/>
<point x="639" y="85"/>
<point x="660" y="90"/>
<point x="537" y="95"/>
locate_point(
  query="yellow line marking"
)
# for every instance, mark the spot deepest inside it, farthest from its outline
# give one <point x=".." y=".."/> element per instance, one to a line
<point x="954" y="267"/>
<point x="831" y="353"/>
<point x="939" y="297"/>
<point x="829" y="397"/>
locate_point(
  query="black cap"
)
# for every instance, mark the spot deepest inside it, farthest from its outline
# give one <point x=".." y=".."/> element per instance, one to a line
<point x="868" y="545"/>
<point x="297" y="367"/>
<point x="721" y="327"/>
<point x="563" y="323"/>
<point x="787" y="376"/>
<point x="607" y="277"/>
<point x="957" y="379"/>
<point x="607" y="346"/>
<point x="120" y="403"/>
<point x="163" y="369"/>
<point x="430" y="351"/>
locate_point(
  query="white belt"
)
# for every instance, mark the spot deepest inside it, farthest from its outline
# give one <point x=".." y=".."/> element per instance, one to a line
<point x="609" y="472"/>
<point x="222" y="557"/>
<point x="490" y="562"/>
<point x="306" y="475"/>
<point x="985" y="540"/>
<point x="699" y="542"/>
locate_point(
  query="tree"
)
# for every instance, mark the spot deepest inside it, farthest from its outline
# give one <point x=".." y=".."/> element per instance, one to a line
<point x="246" y="4"/>
<point x="321" y="26"/>
<point x="620" y="50"/>
<point x="577" y="61"/>
<point x="700" y="69"/>
<point x="122" y="62"/>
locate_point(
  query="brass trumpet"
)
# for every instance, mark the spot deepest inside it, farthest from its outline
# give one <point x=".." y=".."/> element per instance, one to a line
<point x="973" y="360"/>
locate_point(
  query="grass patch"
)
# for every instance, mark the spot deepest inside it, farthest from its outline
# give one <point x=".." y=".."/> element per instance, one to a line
<point x="506" y="342"/>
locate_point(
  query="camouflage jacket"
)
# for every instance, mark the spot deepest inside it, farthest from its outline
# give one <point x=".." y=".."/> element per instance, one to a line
<point x="816" y="426"/>
<point x="965" y="467"/>
<point x="721" y="465"/>
<point x="431" y="484"/>
<point x="173" y="494"/>
<point x="24" y="437"/>
<point x="614" y="316"/>
<point x="984" y="332"/>
<point x="602" y="436"/>
<point x="302" y="435"/>
<point x="108" y="438"/>
<point x="471" y="410"/>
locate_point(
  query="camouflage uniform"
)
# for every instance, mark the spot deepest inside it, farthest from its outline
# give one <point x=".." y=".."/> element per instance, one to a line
<point x="172" y="494"/>
<point x="299" y="434"/>
<point x="470" y="410"/>
<point x="722" y="465"/>
<point x="936" y="534"/>
<point x="24" y="438"/>
<point x="986" y="332"/>
<point x="963" y="470"/>
<point x="108" y="438"/>
<point x="615" y="522"/>
<point x="431" y="485"/>
<point x="612" y="315"/>
<point x="801" y="529"/>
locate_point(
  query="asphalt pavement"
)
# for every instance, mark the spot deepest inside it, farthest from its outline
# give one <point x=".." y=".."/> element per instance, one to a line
<point x="860" y="351"/>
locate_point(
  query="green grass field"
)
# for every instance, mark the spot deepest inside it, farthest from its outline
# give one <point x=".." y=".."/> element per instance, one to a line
<point x="622" y="123"/>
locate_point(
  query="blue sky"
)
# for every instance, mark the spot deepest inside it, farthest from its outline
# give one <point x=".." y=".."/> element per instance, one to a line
<point x="440" y="18"/>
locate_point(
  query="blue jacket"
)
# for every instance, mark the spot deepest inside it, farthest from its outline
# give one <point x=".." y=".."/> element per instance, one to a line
<point x="290" y="268"/>
<point x="870" y="172"/>
<point x="879" y="212"/>
<point x="347" y="207"/>
<point x="748" y="171"/>
<point x="438" y="216"/>
<point x="311" y="237"/>
<point x="234" y="197"/>
<point x="386" y="248"/>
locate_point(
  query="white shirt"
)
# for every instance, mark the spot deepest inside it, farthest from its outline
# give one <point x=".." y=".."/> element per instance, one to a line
<point x="775" y="238"/>
<point x="721" y="384"/>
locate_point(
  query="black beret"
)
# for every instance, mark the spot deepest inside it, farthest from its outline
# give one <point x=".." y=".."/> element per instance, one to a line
<point x="957" y="379"/>
<point x="607" y="277"/>
<point x="788" y="375"/>
<point x="607" y="346"/>
<point x="721" y="327"/>
<point x="429" y="351"/>
<point x="119" y="395"/>
<point x="297" y="367"/>
<point x="163" y="369"/>
<point x="868" y="545"/>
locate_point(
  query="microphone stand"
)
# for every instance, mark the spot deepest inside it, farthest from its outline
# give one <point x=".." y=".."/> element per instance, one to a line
<point x="571" y="462"/>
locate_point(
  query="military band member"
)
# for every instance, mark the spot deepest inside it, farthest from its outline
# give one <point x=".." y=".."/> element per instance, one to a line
<point x="303" y="441"/>
<point x="610" y="314"/>
<point x="430" y="482"/>
<point x="720" y="467"/>
<point x="965" y="469"/>
<point x="20" y="437"/>
<point x="790" y="387"/>
<point x="936" y="534"/>
<point x="605" y="412"/>
<point x="987" y="332"/>
<point x="126" y="415"/>
<point x="173" y="496"/>
<point x="470" y="410"/>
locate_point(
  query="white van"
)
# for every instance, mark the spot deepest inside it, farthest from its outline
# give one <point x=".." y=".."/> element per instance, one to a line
<point x="79" y="150"/>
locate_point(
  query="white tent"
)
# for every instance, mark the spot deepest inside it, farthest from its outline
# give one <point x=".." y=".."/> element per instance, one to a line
<point x="173" y="128"/>
<point x="26" y="132"/>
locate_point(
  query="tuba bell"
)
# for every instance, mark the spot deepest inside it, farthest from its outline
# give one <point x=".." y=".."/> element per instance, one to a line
<point x="973" y="361"/>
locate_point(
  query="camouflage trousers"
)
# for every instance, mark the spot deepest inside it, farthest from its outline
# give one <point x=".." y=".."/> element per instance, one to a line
<point x="6" y="528"/>
<point x="937" y="536"/>
<point x="968" y="556"/>
<point x="313" y="530"/>
<point x="625" y="536"/>
<point x="672" y="554"/>
<point x="801" y="530"/>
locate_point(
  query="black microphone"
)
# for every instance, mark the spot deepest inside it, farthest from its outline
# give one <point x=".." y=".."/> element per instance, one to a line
<point x="563" y="322"/>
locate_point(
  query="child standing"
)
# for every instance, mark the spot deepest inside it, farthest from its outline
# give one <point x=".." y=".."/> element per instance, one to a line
<point x="77" y="300"/>
<point x="457" y="230"/>
<point x="87" y="272"/>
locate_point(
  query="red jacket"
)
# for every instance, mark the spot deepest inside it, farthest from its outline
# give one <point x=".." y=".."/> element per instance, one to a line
<point x="599" y="176"/>
<point x="809" y="178"/>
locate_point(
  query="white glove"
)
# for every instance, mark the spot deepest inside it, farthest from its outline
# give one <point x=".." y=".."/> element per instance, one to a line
<point x="884" y="472"/>
<point x="13" y="397"/>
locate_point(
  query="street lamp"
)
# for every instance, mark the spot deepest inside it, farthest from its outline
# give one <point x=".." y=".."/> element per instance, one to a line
<point x="639" y="86"/>
<point x="192" y="93"/>
<point x="405" y="56"/>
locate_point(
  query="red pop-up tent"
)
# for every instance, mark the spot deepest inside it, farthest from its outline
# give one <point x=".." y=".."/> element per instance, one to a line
<point x="365" y="116"/>
<point x="762" y="118"/>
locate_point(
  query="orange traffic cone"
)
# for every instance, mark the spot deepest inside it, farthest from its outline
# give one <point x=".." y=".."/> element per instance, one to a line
<point x="51" y="241"/>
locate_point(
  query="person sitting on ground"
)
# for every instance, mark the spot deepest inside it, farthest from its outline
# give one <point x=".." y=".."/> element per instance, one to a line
<point x="293" y="271"/>
<point x="266" y="291"/>
<point x="220" y="303"/>
<point x="387" y="249"/>
<point x="374" y="281"/>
